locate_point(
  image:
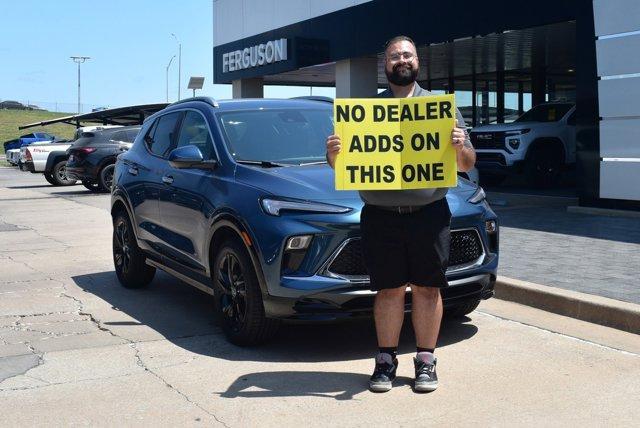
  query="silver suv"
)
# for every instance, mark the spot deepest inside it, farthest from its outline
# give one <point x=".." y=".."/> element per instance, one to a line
<point x="539" y="143"/>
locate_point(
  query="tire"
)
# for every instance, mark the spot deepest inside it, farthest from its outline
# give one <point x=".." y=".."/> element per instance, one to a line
<point x="461" y="310"/>
<point x="59" y="175"/>
<point x="105" y="178"/>
<point x="542" y="167"/>
<point x="94" y="187"/>
<point x="238" y="299"/>
<point x="49" y="178"/>
<point x="128" y="259"/>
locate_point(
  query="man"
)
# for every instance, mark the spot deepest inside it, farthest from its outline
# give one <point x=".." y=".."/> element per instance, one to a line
<point x="405" y="240"/>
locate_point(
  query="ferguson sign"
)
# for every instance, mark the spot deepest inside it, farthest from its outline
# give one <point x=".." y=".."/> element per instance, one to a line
<point x="255" y="56"/>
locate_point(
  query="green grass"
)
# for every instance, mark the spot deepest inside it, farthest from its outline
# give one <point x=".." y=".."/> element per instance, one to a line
<point x="10" y="119"/>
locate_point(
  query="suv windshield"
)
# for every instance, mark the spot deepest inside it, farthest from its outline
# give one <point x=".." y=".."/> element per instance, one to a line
<point x="284" y="136"/>
<point x="545" y="113"/>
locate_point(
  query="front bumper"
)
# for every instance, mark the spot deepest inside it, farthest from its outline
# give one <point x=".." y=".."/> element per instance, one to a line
<point x="357" y="300"/>
<point x="80" y="173"/>
<point x="497" y="162"/>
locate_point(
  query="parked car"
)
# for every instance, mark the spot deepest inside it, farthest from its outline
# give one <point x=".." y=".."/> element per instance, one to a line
<point x="11" y="144"/>
<point x="33" y="158"/>
<point x="51" y="158"/>
<point x="235" y="198"/>
<point x="27" y="139"/>
<point x="93" y="155"/>
<point x="13" y="156"/>
<point x="539" y="143"/>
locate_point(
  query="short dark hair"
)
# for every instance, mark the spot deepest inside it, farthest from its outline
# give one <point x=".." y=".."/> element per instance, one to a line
<point x="396" y="39"/>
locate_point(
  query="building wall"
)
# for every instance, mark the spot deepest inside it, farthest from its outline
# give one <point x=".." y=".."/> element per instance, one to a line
<point x="617" y="46"/>
<point x="237" y="19"/>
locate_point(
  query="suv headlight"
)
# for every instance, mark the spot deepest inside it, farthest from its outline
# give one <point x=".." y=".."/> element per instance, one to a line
<point x="517" y="132"/>
<point x="478" y="196"/>
<point x="273" y="206"/>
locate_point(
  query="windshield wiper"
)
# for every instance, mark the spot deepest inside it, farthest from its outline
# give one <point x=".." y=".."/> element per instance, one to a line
<point x="313" y="163"/>
<point x="263" y="163"/>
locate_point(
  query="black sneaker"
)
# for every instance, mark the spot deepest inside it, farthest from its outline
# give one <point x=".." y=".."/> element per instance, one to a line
<point x="384" y="373"/>
<point x="426" y="377"/>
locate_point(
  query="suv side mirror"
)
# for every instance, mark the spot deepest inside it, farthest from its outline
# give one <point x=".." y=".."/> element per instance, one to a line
<point x="189" y="157"/>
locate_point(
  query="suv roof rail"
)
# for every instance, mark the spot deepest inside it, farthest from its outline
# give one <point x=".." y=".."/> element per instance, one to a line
<point x="209" y="100"/>
<point x="314" y="98"/>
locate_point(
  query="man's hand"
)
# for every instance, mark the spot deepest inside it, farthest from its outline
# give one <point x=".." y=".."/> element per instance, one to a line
<point x="458" y="137"/>
<point x="465" y="154"/>
<point x="333" y="148"/>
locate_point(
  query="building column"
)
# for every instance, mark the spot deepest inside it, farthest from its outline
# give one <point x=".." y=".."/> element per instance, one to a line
<point x="474" y="87"/>
<point x="248" y="88"/>
<point x="357" y="78"/>
<point x="520" y="98"/>
<point x="538" y="68"/>
<point x="500" y="83"/>
<point x="486" y="116"/>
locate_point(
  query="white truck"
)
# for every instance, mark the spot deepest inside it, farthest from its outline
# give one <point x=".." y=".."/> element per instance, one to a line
<point x="50" y="158"/>
<point x="13" y="156"/>
<point x="540" y="143"/>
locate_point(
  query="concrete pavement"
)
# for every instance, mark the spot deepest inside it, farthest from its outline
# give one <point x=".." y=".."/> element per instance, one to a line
<point x="76" y="348"/>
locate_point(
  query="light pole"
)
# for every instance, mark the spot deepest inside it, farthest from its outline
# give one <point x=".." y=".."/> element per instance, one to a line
<point x="179" y="62"/>
<point x="79" y="60"/>
<point x="167" y="76"/>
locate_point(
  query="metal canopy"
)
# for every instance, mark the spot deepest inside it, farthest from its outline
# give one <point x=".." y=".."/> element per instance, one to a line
<point x="556" y="43"/>
<point x="131" y="115"/>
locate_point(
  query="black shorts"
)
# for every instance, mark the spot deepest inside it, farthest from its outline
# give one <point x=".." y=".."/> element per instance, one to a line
<point x="406" y="248"/>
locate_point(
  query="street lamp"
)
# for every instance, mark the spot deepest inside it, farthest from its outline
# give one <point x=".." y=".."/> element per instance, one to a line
<point x="167" y="76"/>
<point x="179" y="62"/>
<point x="79" y="60"/>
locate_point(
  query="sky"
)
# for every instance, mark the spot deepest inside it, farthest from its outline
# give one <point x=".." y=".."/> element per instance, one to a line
<point x="130" y="45"/>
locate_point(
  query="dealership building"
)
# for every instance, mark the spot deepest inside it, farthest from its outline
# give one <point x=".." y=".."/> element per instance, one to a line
<point x="504" y="56"/>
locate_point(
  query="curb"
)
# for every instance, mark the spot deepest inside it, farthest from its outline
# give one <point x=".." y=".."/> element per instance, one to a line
<point x="586" y="307"/>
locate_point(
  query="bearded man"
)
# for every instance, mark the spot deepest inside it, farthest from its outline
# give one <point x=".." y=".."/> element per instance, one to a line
<point x="405" y="241"/>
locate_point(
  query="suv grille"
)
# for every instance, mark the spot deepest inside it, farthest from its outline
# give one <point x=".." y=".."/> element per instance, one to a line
<point x="488" y="140"/>
<point x="491" y="158"/>
<point x="466" y="248"/>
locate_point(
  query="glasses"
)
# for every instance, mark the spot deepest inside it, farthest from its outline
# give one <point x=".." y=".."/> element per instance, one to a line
<point x="396" y="56"/>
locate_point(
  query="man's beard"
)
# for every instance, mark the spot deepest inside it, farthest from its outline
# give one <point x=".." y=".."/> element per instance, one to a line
<point x="402" y="74"/>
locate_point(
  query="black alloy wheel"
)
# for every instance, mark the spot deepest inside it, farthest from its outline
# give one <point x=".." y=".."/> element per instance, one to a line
<point x="129" y="261"/>
<point x="59" y="175"/>
<point x="233" y="297"/>
<point x="238" y="297"/>
<point x="105" y="178"/>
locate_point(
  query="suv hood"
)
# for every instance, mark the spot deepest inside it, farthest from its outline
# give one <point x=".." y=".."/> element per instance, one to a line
<point x="314" y="182"/>
<point x="501" y="127"/>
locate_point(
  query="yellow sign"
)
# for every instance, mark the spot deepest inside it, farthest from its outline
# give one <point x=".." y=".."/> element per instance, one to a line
<point x="395" y="143"/>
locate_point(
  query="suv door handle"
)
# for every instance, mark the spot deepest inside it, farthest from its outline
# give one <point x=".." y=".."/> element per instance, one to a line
<point x="167" y="179"/>
<point x="133" y="170"/>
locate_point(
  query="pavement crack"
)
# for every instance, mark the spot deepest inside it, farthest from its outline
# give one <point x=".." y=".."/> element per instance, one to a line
<point x="142" y="364"/>
<point x="20" y="262"/>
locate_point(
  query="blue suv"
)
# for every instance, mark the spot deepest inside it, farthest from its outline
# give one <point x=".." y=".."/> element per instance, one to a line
<point x="235" y="198"/>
